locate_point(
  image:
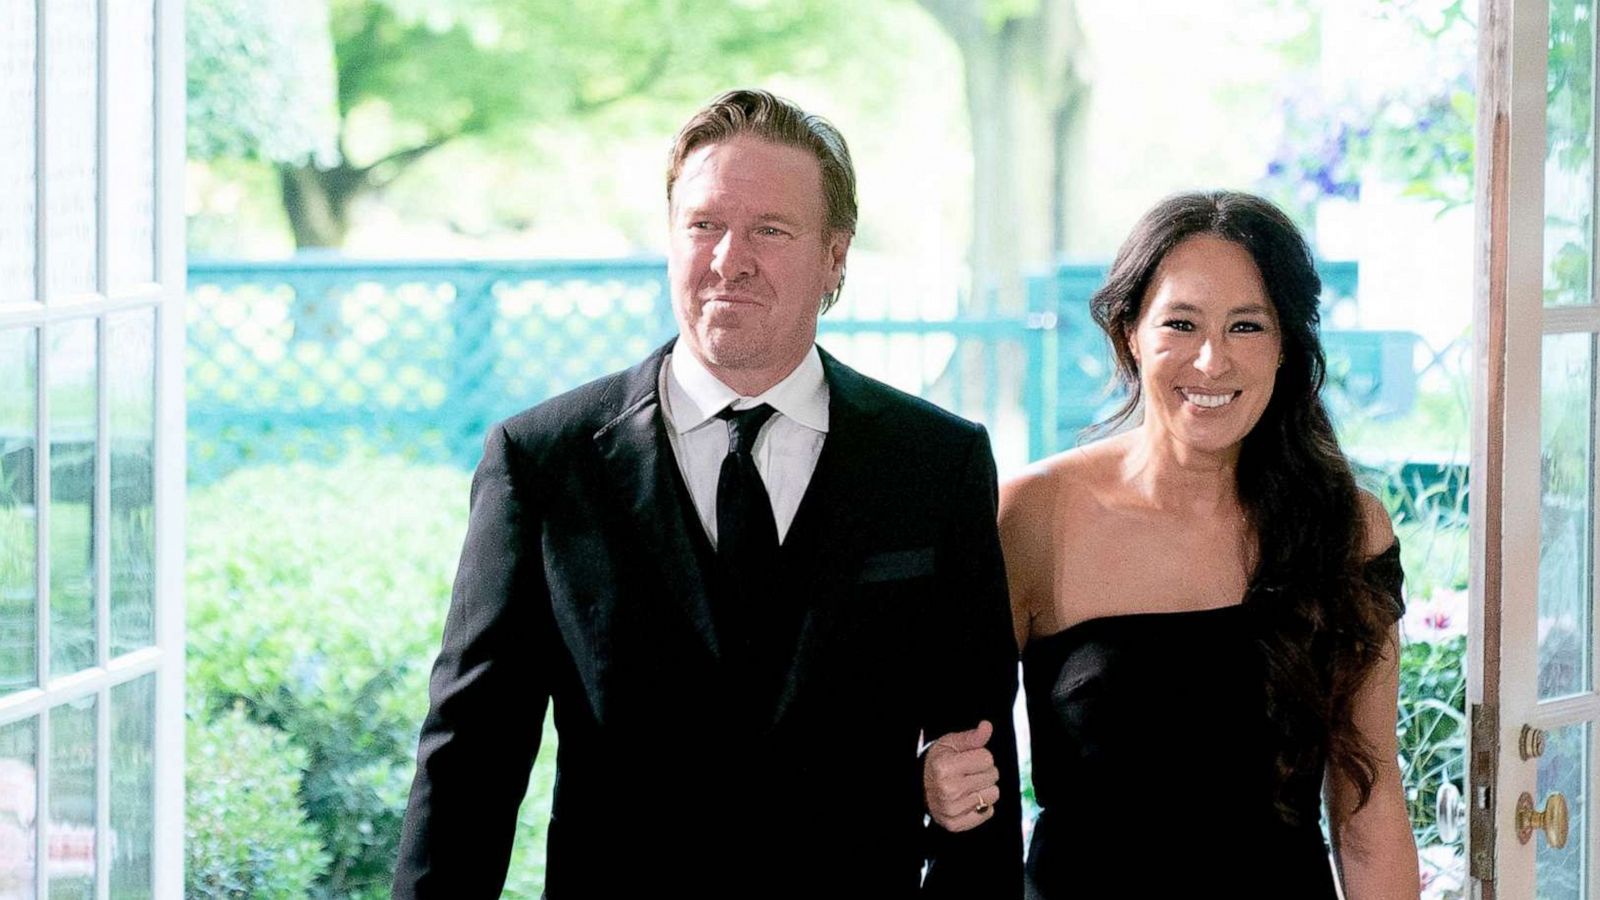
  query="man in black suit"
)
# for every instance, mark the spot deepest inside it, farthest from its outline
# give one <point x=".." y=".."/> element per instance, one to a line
<point x="748" y="578"/>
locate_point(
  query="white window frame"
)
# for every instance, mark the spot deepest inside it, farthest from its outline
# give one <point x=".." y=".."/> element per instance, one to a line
<point x="166" y="297"/>
<point x="1510" y="324"/>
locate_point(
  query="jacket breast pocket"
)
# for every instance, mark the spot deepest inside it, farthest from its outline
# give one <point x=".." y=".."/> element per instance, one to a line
<point x="874" y="627"/>
<point x="896" y="565"/>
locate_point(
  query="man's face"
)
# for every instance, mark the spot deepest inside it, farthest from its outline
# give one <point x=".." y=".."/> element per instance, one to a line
<point x="750" y="258"/>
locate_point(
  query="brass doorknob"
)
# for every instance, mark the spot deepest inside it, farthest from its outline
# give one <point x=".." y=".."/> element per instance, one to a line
<point x="1449" y="812"/>
<point x="1552" y="820"/>
<point x="1530" y="743"/>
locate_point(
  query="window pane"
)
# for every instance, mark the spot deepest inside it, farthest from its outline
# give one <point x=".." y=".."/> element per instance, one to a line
<point x="130" y="141"/>
<point x="73" y="423"/>
<point x="18" y="80"/>
<point x="19" y="806"/>
<point x="131" y="391"/>
<point x="1566" y="539"/>
<point x="1568" y="165"/>
<point x="1559" y="873"/>
<point x="19" y="527"/>
<point x="133" y="751"/>
<point x="1569" y="151"/>
<point x="71" y="134"/>
<point x="70" y="829"/>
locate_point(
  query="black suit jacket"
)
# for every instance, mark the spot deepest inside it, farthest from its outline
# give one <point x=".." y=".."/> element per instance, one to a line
<point x="578" y="586"/>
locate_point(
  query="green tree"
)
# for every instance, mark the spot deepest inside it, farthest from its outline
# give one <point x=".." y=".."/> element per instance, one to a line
<point x="260" y="81"/>
<point x="411" y="77"/>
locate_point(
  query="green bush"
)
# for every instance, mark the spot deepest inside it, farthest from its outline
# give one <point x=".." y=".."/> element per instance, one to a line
<point x="317" y="598"/>
<point x="246" y="836"/>
<point x="1432" y="727"/>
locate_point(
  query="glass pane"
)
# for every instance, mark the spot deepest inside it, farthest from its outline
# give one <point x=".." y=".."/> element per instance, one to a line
<point x="18" y="109"/>
<point x="71" y="133"/>
<point x="1566" y="540"/>
<point x="73" y="423"/>
<point x="133" y="772"/>
<point x="131" y="391"/>
<point x="1562" y="769"/>
<point x="130" y="142"/>
<point x="1569" y="179"/>
<point x="19" y="807"/>
<point x="19" y="514"/>
<point x="70" y="837"/>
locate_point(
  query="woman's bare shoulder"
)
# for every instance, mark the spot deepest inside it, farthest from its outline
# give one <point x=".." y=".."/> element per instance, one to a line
<point x="1042" y="505"/>
<point x="1377" y="528"/>
<point x="1058" y="477"/>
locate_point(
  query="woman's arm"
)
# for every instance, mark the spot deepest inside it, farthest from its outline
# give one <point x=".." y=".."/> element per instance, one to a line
<point x="1373" y="846"/>
<point x="1027" y="539"/>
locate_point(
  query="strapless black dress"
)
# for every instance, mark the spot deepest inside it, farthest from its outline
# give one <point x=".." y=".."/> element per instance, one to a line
<point x="1153" y="758"/>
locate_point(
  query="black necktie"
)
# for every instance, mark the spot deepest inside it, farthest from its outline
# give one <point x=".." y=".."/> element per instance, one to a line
<point x="756" y="625"/>
<point x="747" y="534"/>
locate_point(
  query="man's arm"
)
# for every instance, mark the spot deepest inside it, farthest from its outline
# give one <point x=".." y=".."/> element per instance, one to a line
<point x="973" y="677"/>
<point x="487" y="698"/>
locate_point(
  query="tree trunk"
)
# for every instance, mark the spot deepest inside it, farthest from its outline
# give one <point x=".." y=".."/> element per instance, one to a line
<point x="1000" y="234"/>
<point x="1065" y="92"/>
<point x="1022" y="97"/>
<point x="318" y="202"/>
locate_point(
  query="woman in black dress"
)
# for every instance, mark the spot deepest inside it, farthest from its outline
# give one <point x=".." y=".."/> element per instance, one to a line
<point x="1206" y="602"/>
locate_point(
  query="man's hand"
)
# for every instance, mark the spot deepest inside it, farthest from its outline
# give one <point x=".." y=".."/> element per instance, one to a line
<point x="959" y="779"/>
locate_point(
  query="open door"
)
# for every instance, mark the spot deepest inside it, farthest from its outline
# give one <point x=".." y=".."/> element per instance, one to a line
<point x="91" y="448"/>
<point x="1532" y="803"/>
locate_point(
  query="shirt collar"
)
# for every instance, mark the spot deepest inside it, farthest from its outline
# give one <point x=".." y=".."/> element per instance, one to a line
<point x="695" y="395"/>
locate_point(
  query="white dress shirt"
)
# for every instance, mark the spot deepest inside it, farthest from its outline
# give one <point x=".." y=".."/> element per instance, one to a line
<point x="785" y="452"/>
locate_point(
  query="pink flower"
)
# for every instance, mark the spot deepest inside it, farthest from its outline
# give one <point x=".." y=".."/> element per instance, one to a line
<point x="1437" y="618"/>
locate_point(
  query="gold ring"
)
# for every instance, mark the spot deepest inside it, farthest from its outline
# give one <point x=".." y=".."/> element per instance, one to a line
<point x="983" y="805"/>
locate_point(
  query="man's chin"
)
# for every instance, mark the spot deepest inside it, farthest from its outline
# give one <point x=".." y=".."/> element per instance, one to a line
<point x="730" y="345"/>
<point x="731" y="356"/>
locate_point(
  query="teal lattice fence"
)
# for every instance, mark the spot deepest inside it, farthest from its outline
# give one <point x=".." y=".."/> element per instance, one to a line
<point x="310" y="358"/>
<point x="313" y="357"/>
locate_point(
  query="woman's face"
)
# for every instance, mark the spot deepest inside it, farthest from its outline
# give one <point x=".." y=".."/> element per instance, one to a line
<point x="1208" y="346"/>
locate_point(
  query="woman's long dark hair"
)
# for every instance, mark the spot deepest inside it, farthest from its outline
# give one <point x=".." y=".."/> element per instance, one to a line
<point x="1324" y="626"/>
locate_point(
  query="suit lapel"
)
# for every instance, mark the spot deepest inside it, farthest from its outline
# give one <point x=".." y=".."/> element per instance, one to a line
<point x="642" y="473"/>
<point x="830" y="520"/>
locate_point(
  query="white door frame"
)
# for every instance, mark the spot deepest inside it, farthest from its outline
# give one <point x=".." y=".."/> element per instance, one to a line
<point x="1510" y="323"/>
<point x="165" y="297"/>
